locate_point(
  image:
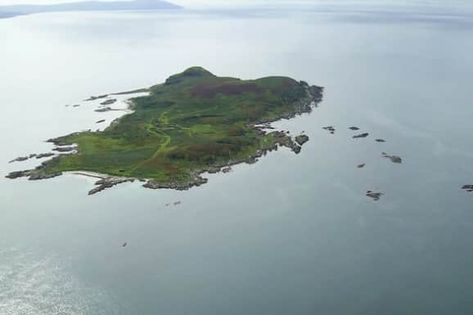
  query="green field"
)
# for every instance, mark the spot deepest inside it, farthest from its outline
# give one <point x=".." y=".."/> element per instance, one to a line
<point x="193" y="122"/>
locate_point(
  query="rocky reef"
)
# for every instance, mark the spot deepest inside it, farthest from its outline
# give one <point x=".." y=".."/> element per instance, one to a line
<point x="392" y="158"/>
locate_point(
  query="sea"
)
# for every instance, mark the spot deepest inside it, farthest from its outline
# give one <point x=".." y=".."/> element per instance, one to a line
<point x="290" y="234"/>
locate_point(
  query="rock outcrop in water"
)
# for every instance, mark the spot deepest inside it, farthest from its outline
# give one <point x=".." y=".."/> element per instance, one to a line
<point x="468" y="188"/>
<point x="32" y="174"/>
<point x="109" y="101"/>
<point x="93" y="98"/>
<point x="393" y="158"/>
<point x="361" y="135"/>
<point x="374" y="195"/>
<point x="301" y="139"/>
<point x="330" y="129"/>
<point x="103" y="109"/>
<point x="19" y="159"/>
<point x="108" y="182"/>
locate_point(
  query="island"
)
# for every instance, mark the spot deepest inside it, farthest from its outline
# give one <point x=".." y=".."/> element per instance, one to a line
<point x="195" y="122"/>
<point x="7" y="11"/>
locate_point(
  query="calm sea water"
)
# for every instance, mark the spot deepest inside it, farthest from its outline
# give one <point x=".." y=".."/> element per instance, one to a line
<point x="292" y="234"/>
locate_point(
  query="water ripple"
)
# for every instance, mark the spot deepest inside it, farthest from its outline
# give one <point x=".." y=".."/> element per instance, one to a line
<point x="29" y="285"/>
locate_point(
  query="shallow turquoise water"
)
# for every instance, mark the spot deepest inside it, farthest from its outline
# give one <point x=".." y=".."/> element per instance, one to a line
<point x="292" y="234"/>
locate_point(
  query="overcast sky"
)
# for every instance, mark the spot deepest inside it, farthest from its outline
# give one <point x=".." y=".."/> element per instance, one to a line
<point x="181" y="2"/>
<point x="206" y="3"/>
<point x="185" y="3"/>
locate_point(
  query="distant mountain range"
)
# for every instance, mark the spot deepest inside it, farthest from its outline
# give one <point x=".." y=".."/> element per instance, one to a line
<point x="14" y="10"/>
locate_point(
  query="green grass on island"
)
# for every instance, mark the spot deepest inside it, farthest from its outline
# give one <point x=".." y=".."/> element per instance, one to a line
<point x="192" y="123"/>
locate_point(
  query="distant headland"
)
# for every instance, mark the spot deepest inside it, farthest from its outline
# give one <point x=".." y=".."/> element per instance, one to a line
<point x="7" y="11"/>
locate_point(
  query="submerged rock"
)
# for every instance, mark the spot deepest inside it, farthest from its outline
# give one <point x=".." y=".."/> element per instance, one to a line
<point x="374" y="195"/>
<point x="361" y="135"/>
<point x="103" y="109"/>
<point x="108" y="102"/>
<point x="468" y="188"/>
<point x="24" y="158"/>
<point x="393" y="158"/>
<point x="93" y="98"/>
<point x="19" y="159"/>
<point x="330" y="129"/>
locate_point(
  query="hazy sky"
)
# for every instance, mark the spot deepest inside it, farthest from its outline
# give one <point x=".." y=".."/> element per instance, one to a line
<point x="205" y="3"/>
<point x="185" y="3"/>
<point x="181" y="2"/>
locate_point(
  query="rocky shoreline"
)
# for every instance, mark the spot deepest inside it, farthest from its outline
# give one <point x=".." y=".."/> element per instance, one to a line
<point x="108" y="182"/>
<point x="34" y="155"/>
<point x="196" y="178"/>
<point x="37" y="173"/>
<point x="330" y="129"/>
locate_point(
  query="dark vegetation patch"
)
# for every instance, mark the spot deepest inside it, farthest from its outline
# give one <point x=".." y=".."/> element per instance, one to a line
<point x="210" y="91"/>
